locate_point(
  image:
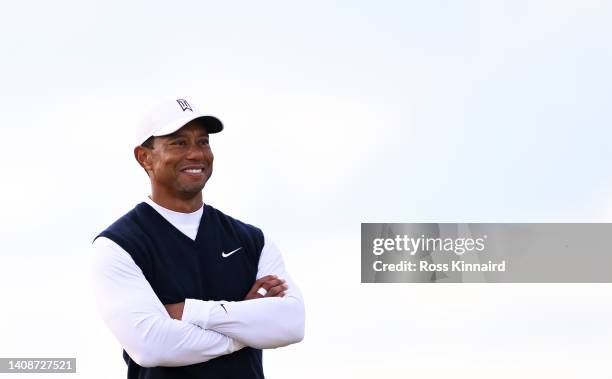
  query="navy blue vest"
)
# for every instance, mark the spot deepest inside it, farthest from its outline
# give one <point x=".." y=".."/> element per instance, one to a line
<point x="178" y="268"/>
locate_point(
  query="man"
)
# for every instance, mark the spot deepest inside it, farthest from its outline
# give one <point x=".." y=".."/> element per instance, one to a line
<point x="188" y="291"/>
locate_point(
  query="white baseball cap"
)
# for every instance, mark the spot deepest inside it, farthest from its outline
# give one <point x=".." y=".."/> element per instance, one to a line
<point x="171" y="115"/>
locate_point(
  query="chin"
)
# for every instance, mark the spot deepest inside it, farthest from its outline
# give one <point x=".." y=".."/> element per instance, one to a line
<point x="192" y="189"/>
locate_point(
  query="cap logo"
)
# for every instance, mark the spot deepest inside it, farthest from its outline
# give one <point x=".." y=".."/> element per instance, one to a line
<point x="184" y="104"/>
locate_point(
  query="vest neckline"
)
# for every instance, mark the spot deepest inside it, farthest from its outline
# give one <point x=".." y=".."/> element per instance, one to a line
<point x="161" y="221"/>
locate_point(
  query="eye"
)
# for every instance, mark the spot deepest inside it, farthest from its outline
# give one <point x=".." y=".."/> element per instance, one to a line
<point x="179" y="142"/>
<point x="204" y="142"/>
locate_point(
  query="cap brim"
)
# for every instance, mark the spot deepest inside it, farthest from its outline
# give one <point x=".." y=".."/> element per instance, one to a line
<point x="211" y="123"/>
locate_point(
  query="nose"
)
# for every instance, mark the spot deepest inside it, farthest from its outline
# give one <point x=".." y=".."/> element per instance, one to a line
<point x="196" y="152"/>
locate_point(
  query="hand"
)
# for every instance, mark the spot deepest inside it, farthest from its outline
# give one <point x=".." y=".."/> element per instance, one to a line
<point x="276" y="287"/>
<point x="175" y="310"/>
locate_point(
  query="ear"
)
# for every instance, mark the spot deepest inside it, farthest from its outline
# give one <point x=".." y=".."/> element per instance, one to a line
<point x="143" y="157"/>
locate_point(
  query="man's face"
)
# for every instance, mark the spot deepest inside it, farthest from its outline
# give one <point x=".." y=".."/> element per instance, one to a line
<point x="181" y="163"/>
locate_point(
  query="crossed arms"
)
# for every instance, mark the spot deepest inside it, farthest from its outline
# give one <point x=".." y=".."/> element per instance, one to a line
<point x="194" y="331"/>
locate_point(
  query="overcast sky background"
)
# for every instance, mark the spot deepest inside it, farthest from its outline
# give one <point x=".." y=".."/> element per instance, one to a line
<point x="335" y="114"/>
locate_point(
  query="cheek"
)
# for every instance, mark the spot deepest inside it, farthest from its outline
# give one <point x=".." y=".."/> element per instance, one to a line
<point x="164" y="168"/>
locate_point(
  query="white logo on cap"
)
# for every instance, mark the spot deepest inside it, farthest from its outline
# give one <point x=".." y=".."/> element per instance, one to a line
<point x="184" y="104"/>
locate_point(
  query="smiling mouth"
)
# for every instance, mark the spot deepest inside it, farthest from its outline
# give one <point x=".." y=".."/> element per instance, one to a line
<point x="193" y="170"/>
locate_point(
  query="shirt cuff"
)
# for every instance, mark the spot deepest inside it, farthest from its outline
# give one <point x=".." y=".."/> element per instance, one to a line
<point x="197" y="312"/>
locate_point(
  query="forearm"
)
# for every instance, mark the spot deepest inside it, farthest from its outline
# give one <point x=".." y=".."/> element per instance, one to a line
<point x="261" y="323"/>
<point x="140" y="322"/>
<point x="156" y="340"/>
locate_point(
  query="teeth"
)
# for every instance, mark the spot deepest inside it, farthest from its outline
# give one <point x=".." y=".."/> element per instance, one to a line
<point x="193" y="170"/>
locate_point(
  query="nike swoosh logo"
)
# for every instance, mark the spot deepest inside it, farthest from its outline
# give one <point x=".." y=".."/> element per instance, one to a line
<point x="224" y="255"/>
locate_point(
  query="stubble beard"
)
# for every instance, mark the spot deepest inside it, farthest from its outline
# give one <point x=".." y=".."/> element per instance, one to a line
<point x="189" y="190"/>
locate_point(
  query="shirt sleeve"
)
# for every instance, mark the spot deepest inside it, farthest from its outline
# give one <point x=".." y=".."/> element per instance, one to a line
<point x="260" y="323"/>
<point x="138" y="319"/>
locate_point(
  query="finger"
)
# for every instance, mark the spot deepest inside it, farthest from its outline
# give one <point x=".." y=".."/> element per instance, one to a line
<point x="275" y="291"/>
<point x="261" y="292"/>
<point x="260" y="283"/>
<point x="263" y="279"/>
<point x="272" y="283"/>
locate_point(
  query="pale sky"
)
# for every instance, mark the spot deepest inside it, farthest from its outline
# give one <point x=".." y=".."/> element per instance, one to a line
<point x="335" y="114"/>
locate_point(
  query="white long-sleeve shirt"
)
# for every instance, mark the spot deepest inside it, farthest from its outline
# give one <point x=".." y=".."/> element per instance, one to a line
<point x="140" y="322"/>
